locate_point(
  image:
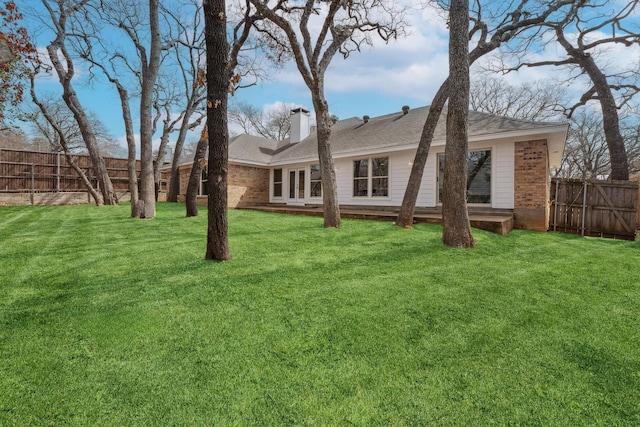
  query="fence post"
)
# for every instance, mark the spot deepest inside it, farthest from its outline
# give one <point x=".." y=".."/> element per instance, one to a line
<point x="555" y="207"/>
<point x="33" y="182"/>
<point x="584" y="206"/>
<point x="58" y="177"/>
<point x="88" y="190"/>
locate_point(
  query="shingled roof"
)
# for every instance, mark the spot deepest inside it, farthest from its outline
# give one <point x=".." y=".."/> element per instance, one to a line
<point x="389" y="132"/>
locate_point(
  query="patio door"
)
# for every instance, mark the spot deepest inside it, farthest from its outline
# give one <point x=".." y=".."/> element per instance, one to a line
<point x="296" y="185"/>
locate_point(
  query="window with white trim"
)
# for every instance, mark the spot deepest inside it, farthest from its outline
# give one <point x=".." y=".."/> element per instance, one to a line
<point x="316" y="183"/>
<point x="371" y="177"/>
<point x="277" y="183"/>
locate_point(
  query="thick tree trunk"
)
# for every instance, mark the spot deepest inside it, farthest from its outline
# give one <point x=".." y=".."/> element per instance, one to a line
<point x="196" y="173"/>
<point x="455" y="219"/>
<point x="330" y="203"/>
<point x="217" y="87"/>
<point x="408" y="207"/>
<point x="147" y="200"/>
<point x="610" y="119"/>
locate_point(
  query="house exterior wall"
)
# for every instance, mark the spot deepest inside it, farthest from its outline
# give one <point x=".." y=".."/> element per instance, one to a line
<point x="247" y="185"/>
<point x="400" y="162"/>
<point x="531" y="192"/>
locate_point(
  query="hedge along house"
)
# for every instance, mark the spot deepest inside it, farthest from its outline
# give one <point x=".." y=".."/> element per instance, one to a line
<point x="508" y="169"/>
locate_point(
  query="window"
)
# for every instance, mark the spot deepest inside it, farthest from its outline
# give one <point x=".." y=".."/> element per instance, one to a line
<point x="478" y="177"/>
<point x="316" y="183"/>
<point x="371" y="181"/>
<point x="277" y="183"/>
<point x="203" y="183"/>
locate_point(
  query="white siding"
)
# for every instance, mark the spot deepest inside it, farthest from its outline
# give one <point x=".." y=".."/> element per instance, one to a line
<point x="343" y="179"/>
<point x="503" y="175"/>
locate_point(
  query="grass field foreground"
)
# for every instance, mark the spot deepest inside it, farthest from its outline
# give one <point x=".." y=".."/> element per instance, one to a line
<point x="106" y="320"/>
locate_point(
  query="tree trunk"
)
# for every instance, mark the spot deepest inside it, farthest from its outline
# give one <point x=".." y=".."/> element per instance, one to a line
<point x="174" y="180"/>
<point x="610" y="119"/>
<point x="327" y="170"/>
<point x="159" y="160"/>
<point x="96" y="197"/>
<point x="455" y="218"/>
<point x="132" y="170"/>
<point x="196" y="173"/>
<point x="70" y="98"/>
<point x="408" y="207"/>
<point x="218" y="75"/>
<point x="147" y="201"/>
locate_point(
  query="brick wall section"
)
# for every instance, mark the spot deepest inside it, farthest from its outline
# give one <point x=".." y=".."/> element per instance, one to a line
<point x="247" y="185"/>
<point x="531" y="185"/>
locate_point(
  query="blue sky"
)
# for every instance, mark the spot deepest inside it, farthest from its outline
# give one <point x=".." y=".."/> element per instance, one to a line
<point x="378" y="80"/>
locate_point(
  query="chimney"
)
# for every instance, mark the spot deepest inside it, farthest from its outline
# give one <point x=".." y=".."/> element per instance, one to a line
<point x="299" y="125"/>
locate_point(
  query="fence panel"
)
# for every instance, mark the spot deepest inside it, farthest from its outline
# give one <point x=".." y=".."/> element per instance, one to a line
<point x="594" y="208"/>
<point x="32" y="171"/>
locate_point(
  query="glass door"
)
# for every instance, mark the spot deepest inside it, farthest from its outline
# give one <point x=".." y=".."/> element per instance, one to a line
<point x="296" y="185"/>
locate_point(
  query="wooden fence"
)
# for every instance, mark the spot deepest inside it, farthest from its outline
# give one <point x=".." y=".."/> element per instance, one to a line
<point x="33" y="171"/>
<point x="594" y="208"/>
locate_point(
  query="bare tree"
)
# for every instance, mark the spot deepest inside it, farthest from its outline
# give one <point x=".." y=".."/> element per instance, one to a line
<point x="189" y="59"/>
<point x="66" y="124"/>
<point x="15" y="139"/>
<point x="63" y="64"/>
<point x="529" y="101"/>
<point x="64" y="144"/>
<point x="489" y="30"/>
<point x="579" y="34"/>
<point x="343" y="27"/>
<point x="274" y="124"/>
<point x="586" y="154"/>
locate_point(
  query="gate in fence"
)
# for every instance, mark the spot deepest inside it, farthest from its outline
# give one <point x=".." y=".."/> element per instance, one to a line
<point x="594" y="208"/>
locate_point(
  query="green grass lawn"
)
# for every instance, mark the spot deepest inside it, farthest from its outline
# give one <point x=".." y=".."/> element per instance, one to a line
<point x="110" y="321"/>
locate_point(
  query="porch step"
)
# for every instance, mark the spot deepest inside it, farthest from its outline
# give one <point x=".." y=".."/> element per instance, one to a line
<point x="500" y="223"/>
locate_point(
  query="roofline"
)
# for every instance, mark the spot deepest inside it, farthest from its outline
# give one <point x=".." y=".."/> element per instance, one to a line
<point x="547" y="132"/>
<point x="559" y="129"/>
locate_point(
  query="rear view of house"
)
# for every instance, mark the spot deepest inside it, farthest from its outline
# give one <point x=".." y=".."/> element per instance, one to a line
<point x="508" y="169"/>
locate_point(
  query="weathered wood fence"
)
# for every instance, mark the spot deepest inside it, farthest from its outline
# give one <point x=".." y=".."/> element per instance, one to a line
<point x="32" y="171"/>
<point x="594" y="208"/>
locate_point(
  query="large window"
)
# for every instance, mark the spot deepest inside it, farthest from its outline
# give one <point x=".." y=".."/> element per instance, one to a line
<point x="371" y="177"/>
<point x="277" y="183"/>
<point x="478" y="177"/>
<point x="316" y="183"/>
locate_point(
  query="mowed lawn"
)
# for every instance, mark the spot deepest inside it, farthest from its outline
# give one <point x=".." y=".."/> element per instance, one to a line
<point x="110" y="321"/>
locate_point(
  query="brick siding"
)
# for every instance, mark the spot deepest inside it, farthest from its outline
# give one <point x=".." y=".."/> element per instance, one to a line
<point x="531" y="186"/>
<point x="247" y="185"/>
